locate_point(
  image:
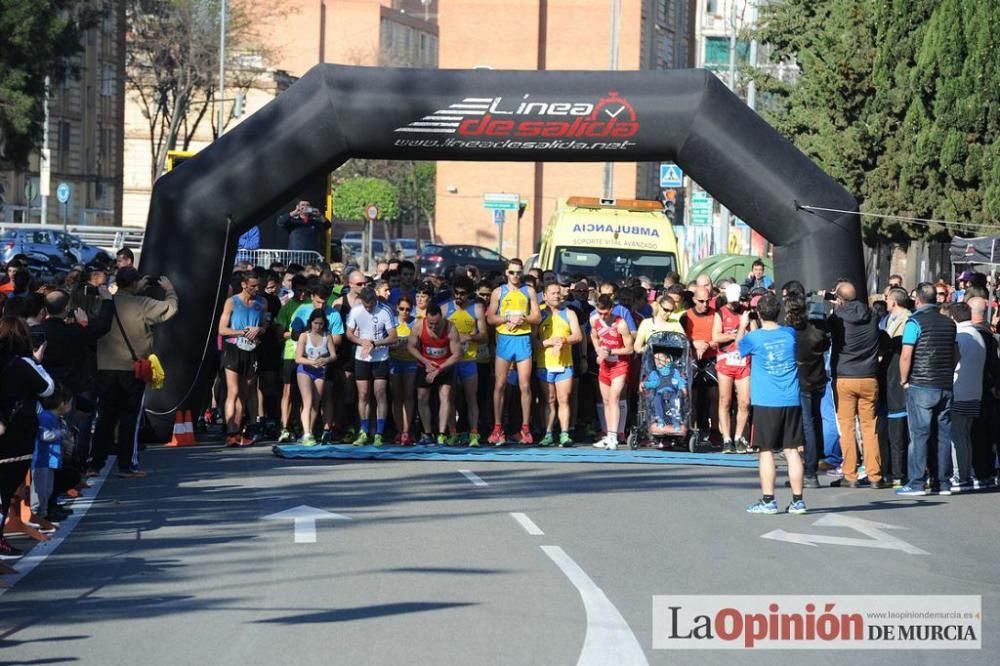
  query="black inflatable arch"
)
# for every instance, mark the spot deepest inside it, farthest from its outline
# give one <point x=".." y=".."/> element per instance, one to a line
<point x="334" y="113"/>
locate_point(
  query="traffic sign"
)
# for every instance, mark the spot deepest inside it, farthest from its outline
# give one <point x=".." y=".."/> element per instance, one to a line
<point x="371" y="212"/>
<point x="62" y="192"/>
<point x="701" y="209"/>
<point x="501" y="201"/>
<point x="499" y="216"/>
<point x="671" y="175"/>
<point x="31" y="190"/>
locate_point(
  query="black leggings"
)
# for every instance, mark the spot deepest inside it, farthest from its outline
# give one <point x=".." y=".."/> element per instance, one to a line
<point x="11" y="476"/>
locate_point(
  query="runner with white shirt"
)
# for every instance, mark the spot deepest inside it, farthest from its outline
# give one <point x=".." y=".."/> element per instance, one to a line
<point x="372" y="327"/>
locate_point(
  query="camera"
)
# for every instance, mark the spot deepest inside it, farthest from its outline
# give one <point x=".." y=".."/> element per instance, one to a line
<point x="829" y="295"/>
<point x="308" y="210"/>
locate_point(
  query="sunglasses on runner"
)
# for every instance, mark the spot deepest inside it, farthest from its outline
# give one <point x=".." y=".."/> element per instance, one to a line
<point x="401" y="309"/>
<point x="514" y="272"/>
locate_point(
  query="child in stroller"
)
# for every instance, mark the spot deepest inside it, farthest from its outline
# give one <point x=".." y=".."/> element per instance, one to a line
<point x="667" y="387"/>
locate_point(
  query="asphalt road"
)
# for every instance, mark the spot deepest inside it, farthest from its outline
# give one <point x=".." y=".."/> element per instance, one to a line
<point x="430" y="568"/>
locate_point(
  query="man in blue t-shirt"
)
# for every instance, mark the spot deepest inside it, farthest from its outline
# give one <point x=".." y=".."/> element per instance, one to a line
<point x="774" y="394"/>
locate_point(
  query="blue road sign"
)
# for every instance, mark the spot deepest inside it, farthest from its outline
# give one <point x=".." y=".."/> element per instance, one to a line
<point x="671" y="175"/>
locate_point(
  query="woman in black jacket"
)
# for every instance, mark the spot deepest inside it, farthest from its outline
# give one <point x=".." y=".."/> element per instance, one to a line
<point x="811" y="344"/>
<point x="22" y="382"/>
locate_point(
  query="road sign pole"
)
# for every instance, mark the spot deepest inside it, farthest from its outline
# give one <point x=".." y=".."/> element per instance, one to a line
<point x="65" y="213"/>
<point x="500" y="243"/>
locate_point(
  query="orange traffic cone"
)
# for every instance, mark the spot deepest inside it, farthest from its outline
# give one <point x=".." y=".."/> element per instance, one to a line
<point x="180" y="431"/>
<point x="189" y="438"/>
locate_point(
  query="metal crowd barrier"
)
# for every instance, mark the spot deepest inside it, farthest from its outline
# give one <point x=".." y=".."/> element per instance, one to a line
<point x="267" y="257"/>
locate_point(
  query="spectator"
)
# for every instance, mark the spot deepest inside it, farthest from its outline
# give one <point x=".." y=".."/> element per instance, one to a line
<point x="968" y="388"/>
<point x="119" y="392"/>
<point x="52" y="430"/>
<point x="811" y="344"/>
<point x="125" y="258"/>
<point x="895" y="397"/>
<point x="664" y="319"/>
<point x="306" y="228"/>
<point x="22" y="381"/>
<point x="854" y="363"/>
<point x="775" y="395"/>
<point x="895" y="281"/>
<point x="984" y="428"/>
<point x="926" y="371"/>
<point x="757" y="279"/>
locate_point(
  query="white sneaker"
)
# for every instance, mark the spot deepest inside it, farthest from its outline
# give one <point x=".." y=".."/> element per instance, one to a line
<point x="601" y="443"/>
<point x="612" y="444"/>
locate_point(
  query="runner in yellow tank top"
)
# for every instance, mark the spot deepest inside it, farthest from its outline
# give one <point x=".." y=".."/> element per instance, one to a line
<point x="469" y="318"/>
<point x="513" y="310"/>
<point x="558" y="332"/>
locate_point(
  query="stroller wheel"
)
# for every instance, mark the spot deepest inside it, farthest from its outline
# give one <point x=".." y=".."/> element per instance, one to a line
<point x="692" y="442"/>
<point x="633" y="440"/>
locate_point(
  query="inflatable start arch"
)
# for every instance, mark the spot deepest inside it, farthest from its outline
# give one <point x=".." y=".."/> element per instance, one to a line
<point x="334" y="113"/>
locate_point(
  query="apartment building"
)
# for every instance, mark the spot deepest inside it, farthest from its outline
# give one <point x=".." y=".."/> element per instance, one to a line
<point x="85" y="137"/>
<point x="549" y="35"/>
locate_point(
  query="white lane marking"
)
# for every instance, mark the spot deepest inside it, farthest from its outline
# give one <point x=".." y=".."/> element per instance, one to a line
<point x="304" y="518"/>
<point x="43" y="549"/>
<point x="608" y="640"/>
<point x="473" y="477"/>
<point x="877" y="538"/>
<point x="529" y="526"/>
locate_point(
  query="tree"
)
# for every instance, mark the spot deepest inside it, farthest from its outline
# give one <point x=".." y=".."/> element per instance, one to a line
<point x="415" y="182"/>
<point x="39" y="38"/>
<point x="899" y="100"/>
<point x="172" y="65"/>
<point x="352" y="198"/>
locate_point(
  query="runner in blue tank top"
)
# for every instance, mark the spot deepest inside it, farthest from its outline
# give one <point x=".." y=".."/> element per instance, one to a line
<point x="242" y="324"/>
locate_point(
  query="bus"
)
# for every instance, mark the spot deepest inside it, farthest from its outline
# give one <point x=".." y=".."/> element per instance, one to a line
<point x="609" y="239"/>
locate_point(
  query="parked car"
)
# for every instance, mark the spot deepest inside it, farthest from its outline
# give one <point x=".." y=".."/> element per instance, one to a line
<point x="356" y="247"/>
<point x="444" y="259"/>
<point x="409" y="248"/>
<point x="61" y="248"/>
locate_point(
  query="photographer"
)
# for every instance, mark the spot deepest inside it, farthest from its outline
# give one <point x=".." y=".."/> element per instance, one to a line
<point x="854" y="361"/>
<point x="305" y="226"/>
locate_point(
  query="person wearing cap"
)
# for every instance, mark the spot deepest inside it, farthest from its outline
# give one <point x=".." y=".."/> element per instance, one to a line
<point x="371" y="326"/>
<point x="732" y="368"/>
<point x="963" y="283"/>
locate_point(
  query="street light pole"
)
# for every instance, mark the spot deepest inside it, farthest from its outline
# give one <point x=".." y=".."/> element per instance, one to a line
<point x="222" y="64"/>
<point x="609" y="167"/>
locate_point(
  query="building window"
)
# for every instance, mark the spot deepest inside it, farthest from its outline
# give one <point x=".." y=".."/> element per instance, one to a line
<point x="107" y="80"/>
<point x="63" y="146"/>
<point x="712" y="7"/>
<point x="668" y="51"/>
<point x="717" y="52"/>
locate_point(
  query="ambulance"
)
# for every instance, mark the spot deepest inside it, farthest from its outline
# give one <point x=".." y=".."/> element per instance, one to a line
<point x="609" y="239"/>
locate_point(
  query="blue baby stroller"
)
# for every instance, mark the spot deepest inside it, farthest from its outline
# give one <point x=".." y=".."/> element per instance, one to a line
<point x="664" y="418"/>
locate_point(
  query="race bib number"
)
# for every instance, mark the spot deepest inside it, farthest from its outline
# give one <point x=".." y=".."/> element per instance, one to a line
<point x="612" y="358"/>
<point x="436" y="352"/>
<point x="245" y="344"/>
<point x="734" y="360"/>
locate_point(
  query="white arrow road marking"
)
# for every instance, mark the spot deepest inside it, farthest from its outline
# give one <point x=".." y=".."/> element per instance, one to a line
<point x="609" y="639"/>
<point x="528" y="524"/>
<point x="877" y="538"/>
<point x="473" y="477"/>
<point x="305" y="518"/>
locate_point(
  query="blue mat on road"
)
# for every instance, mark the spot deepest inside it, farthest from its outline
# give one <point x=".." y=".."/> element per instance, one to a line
<point x="579" y="454"/>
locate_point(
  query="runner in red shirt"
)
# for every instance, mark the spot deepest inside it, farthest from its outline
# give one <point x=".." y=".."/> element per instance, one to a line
<point x="434" y="342"/>
<point x="613" y="344"/>
<point x="733" y="370"/>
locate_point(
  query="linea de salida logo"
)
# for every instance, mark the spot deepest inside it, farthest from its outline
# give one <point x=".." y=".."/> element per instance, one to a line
<point x="527" y="117"/>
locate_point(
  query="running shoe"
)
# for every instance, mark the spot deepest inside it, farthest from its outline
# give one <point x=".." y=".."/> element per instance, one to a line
<point x="308" y="440"/>
<point x="547" y="440"/>
<point x="326" y="437"/>
<point x="526" y="437"/>
<point x="762" y="507"/>
<point x="246" y="441"/>
<point x="565" y="440"/>
<point x="378" y="441"/>
<point x="442" y="439"/>
<point x="7" y="551"/>
<point x="728" y="446"/>
<point x="426" y="439"/>
<point x="452" y="439"/>
<point x="404" y="439"/>
<point x="741" y="446"/>
<point x="474" y="439"/>
<point x="285" y="436"/>
<point x="233" y="439"/>
<point x="912" y="490"/>
<point x="612" y="444"/>
<point x="798" y="507"/>
<point x="361" y="439"/>
<point x="602" y="443"/>
<point x="497" y="437"/>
